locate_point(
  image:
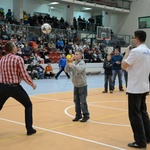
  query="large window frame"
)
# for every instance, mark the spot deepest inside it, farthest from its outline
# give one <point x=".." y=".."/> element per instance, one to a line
<point x="144" y="22"/>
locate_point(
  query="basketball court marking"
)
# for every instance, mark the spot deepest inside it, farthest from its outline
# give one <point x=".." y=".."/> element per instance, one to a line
<point x="104" y="123"/>
<point x="68" y="135"/>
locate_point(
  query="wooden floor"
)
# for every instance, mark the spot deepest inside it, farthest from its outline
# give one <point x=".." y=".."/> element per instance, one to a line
<point x="107" y="129"/>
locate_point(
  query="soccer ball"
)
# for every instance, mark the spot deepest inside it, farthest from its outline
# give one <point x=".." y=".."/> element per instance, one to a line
<point x="46" y="28"/>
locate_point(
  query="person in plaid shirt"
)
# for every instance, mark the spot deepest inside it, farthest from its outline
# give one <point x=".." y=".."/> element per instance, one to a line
<point x="12" y="71"/>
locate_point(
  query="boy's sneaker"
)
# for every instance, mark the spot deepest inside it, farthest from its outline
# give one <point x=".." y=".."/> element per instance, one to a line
<point x="121" y="89"/>
<point x="111" y="91"/>
<point x="104" y="92"/>
<point x="85" y="119"/>
<point x="76" y="118"/>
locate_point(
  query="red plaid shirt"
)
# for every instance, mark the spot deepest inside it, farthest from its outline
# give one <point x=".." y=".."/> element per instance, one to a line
<point x="12" y="70"/>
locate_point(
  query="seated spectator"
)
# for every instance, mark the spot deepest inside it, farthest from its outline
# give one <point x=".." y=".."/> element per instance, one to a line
<point x="67" y="48"/>
<point x="61" y="45"/>
<point x="31" y="70"/>
<point x="49" y="71"/>
<point x="75" y="47"/>
<point x="26" y="50"/>
<point x="33" y="45"/>
<point x="88" y="56"/>
<point x="46" y="59"/>
<point x="51" y="45"/>
<point x="40" y="70"/>
<point x="94" y="56"/>
<point x="100" y="57"/>
<point x="39" y="59"/>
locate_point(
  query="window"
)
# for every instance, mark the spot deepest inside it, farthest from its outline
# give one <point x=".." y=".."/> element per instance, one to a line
<point x="144" y="22"/>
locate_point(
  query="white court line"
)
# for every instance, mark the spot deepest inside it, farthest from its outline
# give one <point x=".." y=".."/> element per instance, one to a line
<point x="68" y="135"/>
<point x="110" y="124"/>
<point x="108" y="107"/>
<point x="96" y="122"/>
<point x="52" y="99"/>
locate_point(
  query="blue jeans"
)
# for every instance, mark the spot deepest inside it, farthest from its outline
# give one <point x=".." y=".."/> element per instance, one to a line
<point x="40" y="74"/>
<point x="139" y="118"/>
<point x="80" y="94"/>
<point x="108" y="79"/>
<point x="60" y="71"/>
<point x="114" y="74"/>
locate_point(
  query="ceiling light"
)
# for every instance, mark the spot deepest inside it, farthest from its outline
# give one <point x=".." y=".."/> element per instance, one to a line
<point x="86" y="8"/>
<point x="54" y="3"/>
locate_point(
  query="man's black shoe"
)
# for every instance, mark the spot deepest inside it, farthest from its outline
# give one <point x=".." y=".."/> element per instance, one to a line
<point x="76" y="118"/>
<point x="85" y="119"/>
<point x="134" y="145"/>
<point x="31" y="132"/>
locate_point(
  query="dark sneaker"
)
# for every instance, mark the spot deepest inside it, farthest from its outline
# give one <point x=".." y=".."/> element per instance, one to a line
<point x="134" y="145"/>
<point x="56" y="78"/>
<point x="104" y="92"/>
<point x="121" y="89"/>
<point x="31" y="132"/>
<point x="85" y="119"/>
<point x="76" y="118"/>
<point x="111" y="91"/>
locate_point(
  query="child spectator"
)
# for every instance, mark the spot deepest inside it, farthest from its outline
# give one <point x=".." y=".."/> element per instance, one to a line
<point x="70" y="57"/>
<point x="31" y="70"/>
<point x="108" y="74"/>
<point x="49" y="71"/>
<point x="40" y="70"/>
<point x="62" y="64"/>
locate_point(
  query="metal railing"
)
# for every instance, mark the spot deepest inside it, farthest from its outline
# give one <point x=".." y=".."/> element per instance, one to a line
<point x="112" y="3"/>
<point x="32" y="33"/>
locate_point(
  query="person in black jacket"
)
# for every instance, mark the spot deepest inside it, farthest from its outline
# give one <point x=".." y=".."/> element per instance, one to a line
<point x="108" y="74"/>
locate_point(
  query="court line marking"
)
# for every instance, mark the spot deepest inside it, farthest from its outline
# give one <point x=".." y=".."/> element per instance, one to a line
<point x="104" y="123"/>
<point x="68" y="135"/>
<point x="59" y="100"/>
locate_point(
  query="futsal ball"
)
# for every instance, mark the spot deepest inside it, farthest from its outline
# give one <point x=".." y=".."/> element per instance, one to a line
<point x="46" y="28"/>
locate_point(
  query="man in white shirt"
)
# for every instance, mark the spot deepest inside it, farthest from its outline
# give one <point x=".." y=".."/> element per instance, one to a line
<point x="136" y="61"/>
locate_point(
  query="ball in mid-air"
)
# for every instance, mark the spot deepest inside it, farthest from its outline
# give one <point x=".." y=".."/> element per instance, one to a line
<point x="46" y="28"/>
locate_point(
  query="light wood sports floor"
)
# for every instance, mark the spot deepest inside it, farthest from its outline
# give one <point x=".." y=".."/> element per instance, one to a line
<point x="53" y="110"/>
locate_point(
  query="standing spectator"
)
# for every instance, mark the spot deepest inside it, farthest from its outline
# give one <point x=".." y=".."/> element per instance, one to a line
<point x="78" y="72"/>
<point x="12" y="71"/>
<point x="62" y="64"/>
<point x="108" y="74"/>
<point x="91" y="23"/>
<point x="136" y="62"/>
<point x="80" y="23"/>
<point x="70" y="57"/>
<point x="116" y="59"/>
<point x="9" y="16"/>
<point x="75" y="23"/>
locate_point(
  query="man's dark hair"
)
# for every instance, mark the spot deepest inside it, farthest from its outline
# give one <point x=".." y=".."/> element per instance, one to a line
<point x="9" y="46"/>
<point x="141" y="35"/>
